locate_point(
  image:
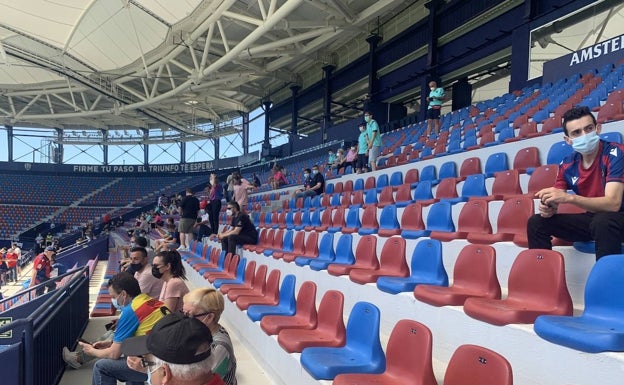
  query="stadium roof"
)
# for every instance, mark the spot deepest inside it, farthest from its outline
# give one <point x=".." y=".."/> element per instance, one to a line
<point x="115" y="64"/>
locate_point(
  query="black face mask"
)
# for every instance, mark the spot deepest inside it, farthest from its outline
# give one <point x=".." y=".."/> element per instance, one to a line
<point x="156" y="273"/>
<point x="134" y="267"/>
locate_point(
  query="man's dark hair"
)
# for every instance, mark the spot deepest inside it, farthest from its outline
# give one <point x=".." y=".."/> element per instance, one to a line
<point x="307" y="170"/>
<point x="235" y="205"/>
<point x="368" y="113"/>
<point x="140" y="241"/>
<point x="139" y="249"/>
<point x="316" y="165"/>
<point x="189" y="190"/>
<point x="575" y="113"/>
<point x="125" y="281"/>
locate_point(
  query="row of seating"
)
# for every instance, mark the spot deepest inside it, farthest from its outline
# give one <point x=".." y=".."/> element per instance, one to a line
<point x="103" y="306"/>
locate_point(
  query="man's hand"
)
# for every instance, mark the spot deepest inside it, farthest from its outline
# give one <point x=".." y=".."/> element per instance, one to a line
<point x="552" y="195"/>
<point x="134" y="363"/>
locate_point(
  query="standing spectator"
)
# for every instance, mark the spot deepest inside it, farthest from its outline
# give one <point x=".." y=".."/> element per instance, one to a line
<point x="39" y="243"/>
<point x="139" y="313"/>
<point x="177" y="352"/>
<point x="12" y="259"/>
<point x="256" y="181"/>
<point x="374" y="139"/>
<point x="241" y="189"/>
<point x="214" y="204"/>
<point x="362" y="161"/>
<point x="17" y="250"/>
<point x="435" y="99"/>
<point x="317" y="185"/>
<point x="242" y="231"/>
<point x="188" y="209"/>
<point x="331" y="158"/>
<point x="3" y="267"/>
<point x="595" y="173"/>
<point x="168" y="267"/>
<point x="42" y="266"/>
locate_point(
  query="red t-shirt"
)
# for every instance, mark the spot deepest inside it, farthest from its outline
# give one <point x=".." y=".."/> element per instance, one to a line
<point x="11" y="259"/>
<point x="43" y="266"/>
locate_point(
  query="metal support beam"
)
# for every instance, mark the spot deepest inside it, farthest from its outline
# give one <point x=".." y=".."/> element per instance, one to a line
<point x="105" y="147"/>
<point x="373" y="41"/>
<point x="327" y="73"/>
<point x="145" y="147"/>
<point x="9" y="130"/>
<point x="266" y="106"/>
<point x="245" y="133"/>
<point x="58" y="156"/>
<point x="294" y="89"/>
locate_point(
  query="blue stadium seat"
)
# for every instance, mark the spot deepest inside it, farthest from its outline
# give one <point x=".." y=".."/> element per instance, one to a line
<point x="557" y="152"/>
<point x="428" y="173"/>
<point x="601" y="326"/>
<point x="495" y="163"/>
<point x="440" y="217"/>
<point x="426" y="267"/>
<point x="326" y="252"/>
<point x="447" y="170"/>
<point x="286" y="305"/>
<point x="362" y="352"/>
<point x="388" y="222"/>
<point x="382" y="181"/>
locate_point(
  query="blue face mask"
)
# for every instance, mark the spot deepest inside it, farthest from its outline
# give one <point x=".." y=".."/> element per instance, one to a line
<point x="367" y="118"/>
<point x="116" y="304"/>
<point x="149" y="374"/>
<point x="314" y="172"/>
<point x="586" y="144"/>
<point x="306" y="175"/>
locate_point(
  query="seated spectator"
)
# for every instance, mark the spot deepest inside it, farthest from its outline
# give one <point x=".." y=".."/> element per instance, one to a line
<point x="351" y="158"/>
<point x="142" y="271"/>
<point x="331" y="159"/>
<point x="178" y="351"/>
<point x="170" y="237"/>
<point x="167" y="266"/>
<point x="256" y="181"/>
<point x="340" y="158"/>
<point x="242" y="231"/>
<point x="202" y="227"/>
<point x="307" y="182"/>
<point x="278" y="179"/>
<point x="317" y="185"/>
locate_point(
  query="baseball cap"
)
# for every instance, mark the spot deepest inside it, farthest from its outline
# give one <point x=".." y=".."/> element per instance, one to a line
<point x="50" y="248"/>
<point x="175" y="338"/>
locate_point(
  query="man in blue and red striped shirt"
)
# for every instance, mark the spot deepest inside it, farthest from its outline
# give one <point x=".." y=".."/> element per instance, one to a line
<point x="595" y="174"/>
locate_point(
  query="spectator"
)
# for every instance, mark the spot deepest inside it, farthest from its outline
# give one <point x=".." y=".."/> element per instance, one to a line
<point x="207" y="305"/>
<point x="331" y="159"/>
<point x="12" y="258"/>
<point x="362" y="161"/>
<point x="374" y="139"/>
<point x="307" y="182"/>
<point x="202" y="227"/>
<point x="39" y="243"/>
<point x="435" y="99"/>
<point x="241" y="189"/>
<point x="169" y="236"/>
<point x="256" y="181"/>
<point x="142" y="271"/>
<point x="188" y="209"/>
<point x="351" y="158"/>
<point x="340" y="158"/>
<point x="595" y="173"/>
<point x="3" y="266"/>
<point x="242" y="230"/>
<point x="278" y="180"/>
<point x="139" y="313"/>
<point x="163" y="202"/>
<point x="168" y="267"/>
<point x="177" y="352"/>
<point x="42" y="266"/>
<point x="214" y="204"/>
<point x="317" y="185"/>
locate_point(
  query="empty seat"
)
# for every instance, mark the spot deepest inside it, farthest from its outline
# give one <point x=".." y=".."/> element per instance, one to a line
<point x="269" y="295"/>
<point x="285" y="305"/>
<point x="495" y="163"/>
<point x="386" y="197"/>
<point x="474" y="275"/>
<point x="369" y="221"/>
<point x="536" y="286"/>
<point x="412" y="224"/>
<point x="342" y="255"/>
<point x="426" y="266"/>
<point x="258" y="284"/>
<point x="601" y="326"/>
<point x="391" y="263"/>
<point x="557" y="152"/>
<point x="473" y="218"/>
<point x="329" y="330"/>
<point x="325" y="252"/>
<point x="469" y="166"/>
<point x="403" y="195"/>
<point x="471" y="365"/>
<point x="511" y="223"/>
<point x="388" y="222"/>
<point x="408" y="359"/>
<point x="310" y="249"/>
<point x="352" y="223"/>
<point x="526" y="158"/>
<point x="542" y="177"/>
<point x="305" y="316"/>
<point x="362" y="352"/>
<point x="244" y="275"/>
<point x="506" y="185"/>
<point x="365" y="257"/>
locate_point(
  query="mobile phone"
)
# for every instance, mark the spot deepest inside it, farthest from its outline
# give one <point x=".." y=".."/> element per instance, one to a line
<point x="84" y="341"/>
<point x="108" y="326"/>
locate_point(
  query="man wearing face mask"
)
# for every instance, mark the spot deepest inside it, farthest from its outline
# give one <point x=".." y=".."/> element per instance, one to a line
<point x="142" y="271"/>
<point x="139" y="313"/>
<point x="373" y="136"/>
<point x="242" y="230"/>
<point x="435" y="99"/>
<point x="307" y="180"/>
<point x="595" y="173"/>
<point x="362" y="150"/>
<point x="317" y="184"/>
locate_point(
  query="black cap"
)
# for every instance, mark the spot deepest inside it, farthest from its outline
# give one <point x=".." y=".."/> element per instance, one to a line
<point x="175" y="338"/>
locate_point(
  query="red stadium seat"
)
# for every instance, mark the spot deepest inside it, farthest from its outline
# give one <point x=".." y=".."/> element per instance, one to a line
<point x="471" y="364"/>
<point x="305" y="316"/>
<point x="365" y="257"/>
<point x="392" y="263"/>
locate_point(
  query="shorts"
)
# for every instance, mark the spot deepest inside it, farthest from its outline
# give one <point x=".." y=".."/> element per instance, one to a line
<point x="433" y="113"/>
<point x="186" y="225"/>
<point x="362" y="161"/>
<point x="373" y="153"/>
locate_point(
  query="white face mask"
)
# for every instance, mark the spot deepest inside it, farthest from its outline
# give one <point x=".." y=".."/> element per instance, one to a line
<point x="228" y="212"/>
<point x="586" y="144"/>
<point x="149" y="373"/>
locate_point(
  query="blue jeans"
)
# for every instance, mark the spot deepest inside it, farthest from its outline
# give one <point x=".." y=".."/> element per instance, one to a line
<point x="107" y="372"/>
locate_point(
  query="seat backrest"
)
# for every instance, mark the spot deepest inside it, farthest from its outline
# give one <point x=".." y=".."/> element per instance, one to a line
<point x="306" y="301"/>
<point x="476" y="267"/>
<point x="412" y="217"/>
<point x="287" y="292"/>
<point x="338" y="219"/>
<point x="388" y="218"/>
<point x="440" y="217"/>
<point x="382" y="181"/>
<point x="538" y="276"/>
<point x="326" y="217"/>
<point x="404" y="193"/>
<point x="366" y="252"/>
<point x="411" y="176"/>
<point x="393" y="255"/>
<point x="348" y="186"/>
<point x="326" y="200"/>
<point x="428" y="173"/>
<point x="447" y="188"/>
<point x="604" y="292"/>
<point x="514" y="215"/>
<point x="259" y="279"/>
<point x="338" y="188"/>
<point x="371" y="197"/>
<point x="448" y="170"/>
<point x="470" y="166"/>
<point x="299" y="242"/>
<point x="296" y="219"/>
<point x="278" y="240"/>
<point x="272" y="284"/>
<point x="542" y="177"/>
<point x="330" y="313"/>
<point x="270" y="237"/>
<point x="396" y="179"/>
<point x="287" y="245"/>
<point x="409" y="352"/>
<point x="233" y="264"/>
<point x="363" y="331"/>
<point x="471" y="364"/>
<point x="358" y="184"/>
<point x="369" y="217"/>
<point x="311" y="243"/>
<point x="335" y="199"/>
<point x="427" y="261"/>
<point x="250" y="270"/>
<point x="423" y="191"/>
<point x="474" y="217"/>
<point x="496" y="162"/>
<point x="344" y="250"/>
<point x="353" y="217"/>
<point x="305" y="218"/>
<point x="386" y="197"/>
<point x="474" y="186"/>
<point x="370" y="183"/>
<point x="326" y="247"/>
<point x="329" y="188"/>
<point x="557" y="152"/>
<point x="507" y="182"/>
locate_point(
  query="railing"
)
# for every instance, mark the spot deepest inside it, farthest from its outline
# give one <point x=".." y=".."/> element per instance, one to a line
<point x="33" y="334"/>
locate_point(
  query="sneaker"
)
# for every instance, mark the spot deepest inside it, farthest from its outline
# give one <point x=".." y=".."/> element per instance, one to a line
<point x="182" y="248"/>
<point x="71" y="358"/>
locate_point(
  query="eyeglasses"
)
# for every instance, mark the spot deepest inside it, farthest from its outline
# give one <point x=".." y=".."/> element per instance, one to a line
<point x="147" y="364"/>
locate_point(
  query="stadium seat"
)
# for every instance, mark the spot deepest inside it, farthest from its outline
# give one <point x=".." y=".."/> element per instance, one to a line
<point x="361" y="353"/>
<point x="386" y="197"/>
<point x="542" y="177"/>
<point x="536" y="286"/>
<point x="474" y="275"/>
<point x="325" y="252"/>
<point x="285" y="305"/>
<point x="495" y="163"/>
<point x="388" y="223"/>
<point x="382" y="181"/>
<point x="473" y="218"/>
<point x="268" y="296"/>
<point x="310" y="248"/>
<point x="396" y="179"/>
<point x="338" y="221"/>
<point x="471" y="364"/>
<point x="244" y="275"/>
<point x="231" y="265"/>
<point x="447" y="170"/>
<point x="369" y="221"/>
<point x="297" y="248"/>
<point x="329" y="329"/>
<point x="305" y="316"/>
<point x="601" y="326"/>
<point x="403" y="195"/>
<point x="412" y="177"/>
<point x="258" y="285"/>
<point x="391" y="263"/>
<point x="440" y="217"/>
<point x="370" y="198"/>
<point x="506" y="185"/>
<point x="277" y="245"/>
<point x="511" y="223"/>
<point x="423" y="193"/>
<point x="557" y="152"/>
<point x="447" y="190"/>
<point x="326" y="221"/>
<point x="408" y="359"/>
<point x="342" y="255"/>
<point x="352" y="223"/>
<point x="365" y="257"/>
<point x="287" y="246"/>
<point x="428" y="173"/>
<point x="426" y="268"/>
<point x="412" y="225"/>
<point x="469" y="166"/>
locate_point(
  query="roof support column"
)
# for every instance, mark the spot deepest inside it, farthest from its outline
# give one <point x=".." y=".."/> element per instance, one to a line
<point x="432" y="55"/>
<point x="326" y="123"/>
<point x="182" y="152"/>
<point x="294" y="89"/>
<point x="57" y="154"/>
<point x="373" y="41"/>
<point x="245" y="116"/>
<point x="105" y="147"/>
<point x="145" y="147"/>
<point x="266" y="106"/>
<point x="9" y="130"/>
